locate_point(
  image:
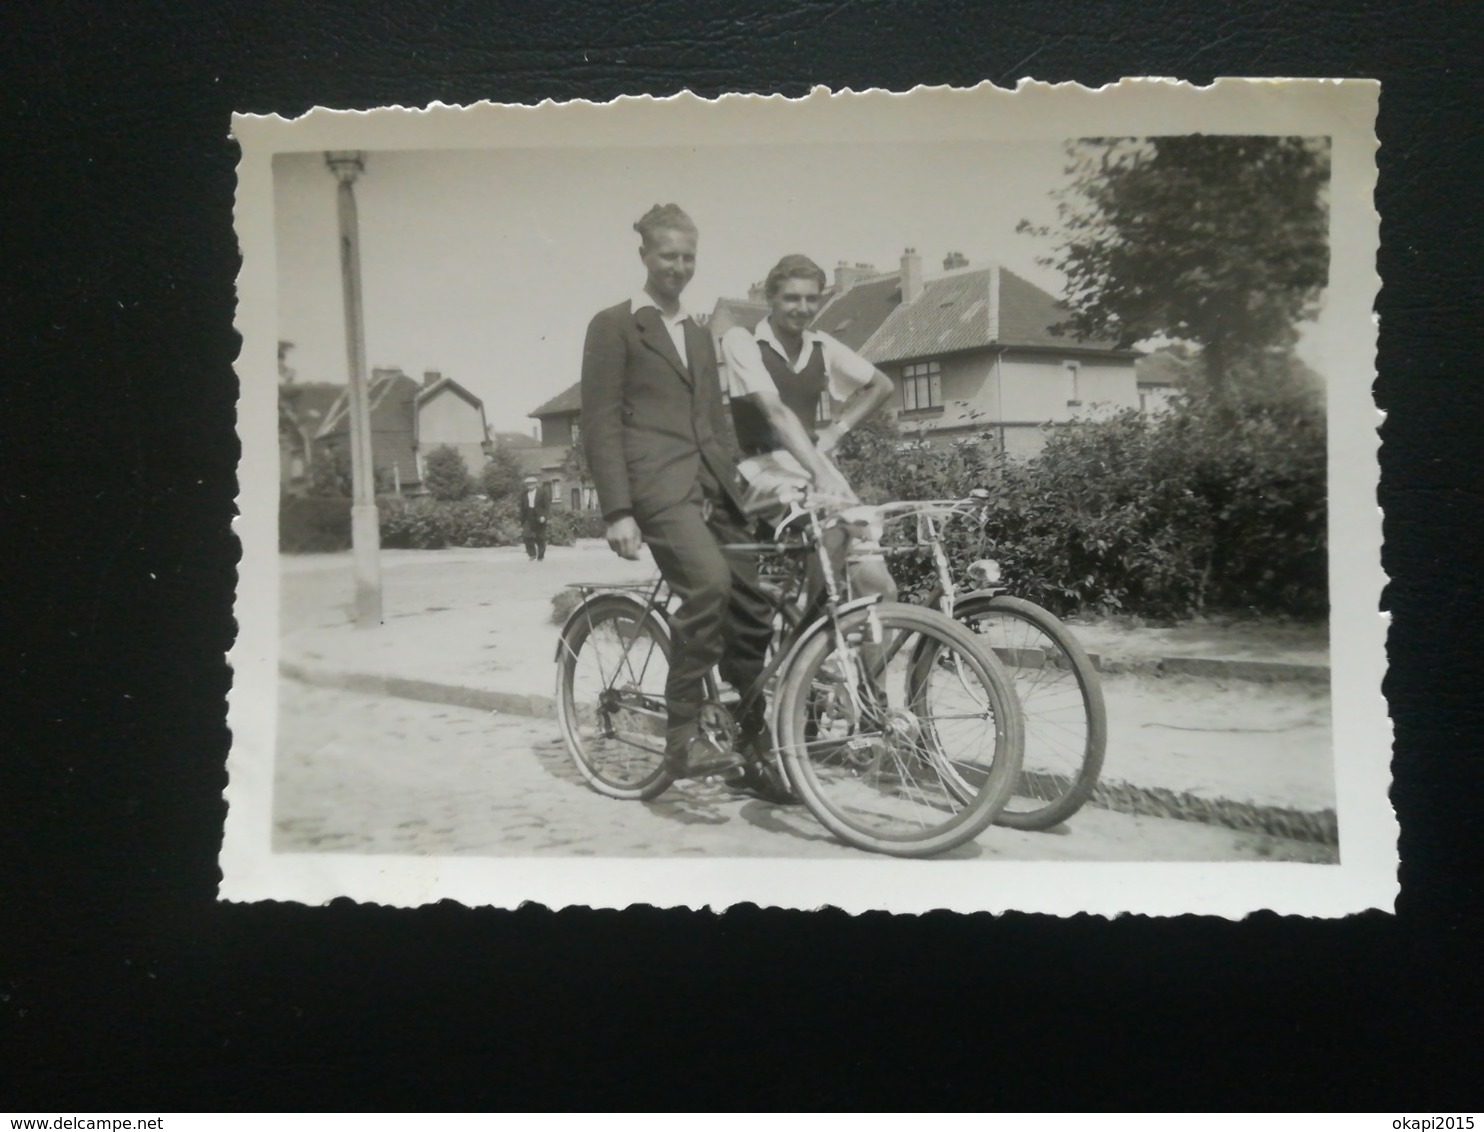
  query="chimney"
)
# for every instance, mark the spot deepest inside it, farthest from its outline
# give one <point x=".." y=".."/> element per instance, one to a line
<point x="955" y="260"/>
<point x="847" y="275"/>
<point x="757" y="293"/>
<point x="431" y="377"/>
<point x="911" y="276"/>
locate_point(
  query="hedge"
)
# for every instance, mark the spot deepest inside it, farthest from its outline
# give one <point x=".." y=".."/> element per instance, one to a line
<point x="317" y="525"/>
<point x="313" y="525"/>
<point x="1199" y="509"/>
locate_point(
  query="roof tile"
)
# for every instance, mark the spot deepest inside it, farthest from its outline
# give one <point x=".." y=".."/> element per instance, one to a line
<point x="567" y="401"/>
<point x="855" y="313"/>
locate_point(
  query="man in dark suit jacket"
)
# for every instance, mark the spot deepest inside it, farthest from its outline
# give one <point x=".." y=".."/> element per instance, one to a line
<point x="535" y="507"/>
<point x="653" y="426"/>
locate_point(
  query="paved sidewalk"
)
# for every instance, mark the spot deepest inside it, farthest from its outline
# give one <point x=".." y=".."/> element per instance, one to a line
<point x="1223" y="715"/>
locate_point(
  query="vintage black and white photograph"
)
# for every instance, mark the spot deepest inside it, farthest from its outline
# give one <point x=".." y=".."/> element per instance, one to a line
<point x="957" y="499"/>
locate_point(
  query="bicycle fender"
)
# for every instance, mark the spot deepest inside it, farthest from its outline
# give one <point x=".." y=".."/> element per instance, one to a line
<point x="641" y="609"/>
<point x="992" y="591"/>
<point x="822" y="624"/>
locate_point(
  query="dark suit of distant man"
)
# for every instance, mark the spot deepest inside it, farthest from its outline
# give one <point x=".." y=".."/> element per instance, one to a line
<point x="653" y="425"/>
<point x="535" y="510"/>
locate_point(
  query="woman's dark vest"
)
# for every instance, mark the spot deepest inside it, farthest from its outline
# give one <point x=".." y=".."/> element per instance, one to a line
<point x="799" y="391"/>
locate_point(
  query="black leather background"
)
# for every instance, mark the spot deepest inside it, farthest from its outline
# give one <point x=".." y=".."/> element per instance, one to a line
<point x="124" y="986"/>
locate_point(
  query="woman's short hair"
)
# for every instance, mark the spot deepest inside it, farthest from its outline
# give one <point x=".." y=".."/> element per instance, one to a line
<point x="663" y="218"/>
<point x="793" y="267"/>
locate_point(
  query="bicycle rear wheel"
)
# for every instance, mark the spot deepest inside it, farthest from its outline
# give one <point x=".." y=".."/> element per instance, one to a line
<point x="612" y="664"/>
<point x="1061" y="696"/>
<point x="880" y="757"/>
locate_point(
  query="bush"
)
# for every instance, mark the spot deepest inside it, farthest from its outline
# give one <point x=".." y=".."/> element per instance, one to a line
<point x="432" y="524"/>
<point x="1206" y="507"/>
<point x="566" y="527"/>
<point x="331" y="476"/>
<point x="501" y="477"/>
<point x="1200" y="508"/>
<point x="445" y="475"/>
<point x="313" y="525"/>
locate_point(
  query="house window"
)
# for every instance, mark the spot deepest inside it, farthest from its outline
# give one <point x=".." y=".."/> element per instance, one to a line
<point x="823" y="409"/>
<point x="1074" y="382"/>
<point x="577" y="499"/>
<point x="576" y="430"/>
<point x="922" y="386"/>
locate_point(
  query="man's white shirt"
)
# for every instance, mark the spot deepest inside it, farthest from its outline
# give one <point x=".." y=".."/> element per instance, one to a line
<point x="676" y="325"/>
<point x="746" y="374"/>
<point x="779" y="474"/>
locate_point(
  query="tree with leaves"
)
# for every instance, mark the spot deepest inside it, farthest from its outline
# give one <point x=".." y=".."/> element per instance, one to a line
<point x="502" y="475"/>
<point x="445" y="475"/>
<point x="1220" y="241"/>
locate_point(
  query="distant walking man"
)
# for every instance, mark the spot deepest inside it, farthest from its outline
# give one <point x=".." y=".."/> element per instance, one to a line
<point x="652" y="427"/>
<point x="535" y="507"/>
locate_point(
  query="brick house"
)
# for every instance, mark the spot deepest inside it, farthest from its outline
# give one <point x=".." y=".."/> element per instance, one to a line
<point x="560" y="424"/>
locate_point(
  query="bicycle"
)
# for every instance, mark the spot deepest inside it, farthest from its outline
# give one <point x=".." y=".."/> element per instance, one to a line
<point x="1059" y="689"/>
<point x="911" y="754"/>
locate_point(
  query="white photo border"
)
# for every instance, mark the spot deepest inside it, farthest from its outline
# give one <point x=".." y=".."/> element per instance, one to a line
<point x="1366" y="876"/>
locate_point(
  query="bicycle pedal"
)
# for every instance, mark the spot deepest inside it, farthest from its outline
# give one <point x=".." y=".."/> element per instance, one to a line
<point x="713" y="767"/>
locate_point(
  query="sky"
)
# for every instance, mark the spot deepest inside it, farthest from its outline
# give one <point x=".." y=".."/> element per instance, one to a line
<point x="486" y="265"/>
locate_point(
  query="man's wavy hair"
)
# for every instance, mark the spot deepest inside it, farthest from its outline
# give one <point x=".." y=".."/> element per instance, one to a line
<point x="793" y="267"/>
<point x="663" y="218"/>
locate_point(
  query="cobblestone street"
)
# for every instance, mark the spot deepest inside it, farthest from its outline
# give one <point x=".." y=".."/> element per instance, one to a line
<point x="369" y="774"/>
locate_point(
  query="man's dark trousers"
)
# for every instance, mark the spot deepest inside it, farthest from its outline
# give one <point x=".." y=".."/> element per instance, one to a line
<point x="723" y="616"/>
<point x="535" y="537"/>
<point x="652" y="429"/>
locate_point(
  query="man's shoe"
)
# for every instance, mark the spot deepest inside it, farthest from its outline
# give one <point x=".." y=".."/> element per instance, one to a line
<point x="688" y="754"/>
<point x="761" y="781"/>
<point x="760" y="777"/>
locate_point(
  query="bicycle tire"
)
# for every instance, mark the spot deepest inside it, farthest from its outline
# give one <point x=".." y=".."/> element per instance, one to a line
<point x="612" y="663"/>
<point x="1061" y="698"/>
<point x="871" y="775"/>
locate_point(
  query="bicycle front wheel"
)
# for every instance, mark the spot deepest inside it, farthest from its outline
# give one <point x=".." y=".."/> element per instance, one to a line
<point x="1061" y="696"/>
<point x="612" y="666"/>
<point x="880" y="755"/>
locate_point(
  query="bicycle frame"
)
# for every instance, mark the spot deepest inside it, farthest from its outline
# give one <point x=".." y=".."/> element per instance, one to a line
<point x="832" y="610"/>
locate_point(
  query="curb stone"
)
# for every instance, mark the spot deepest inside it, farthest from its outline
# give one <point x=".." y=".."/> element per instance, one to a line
<point x="1315" y="826"/>
<point x="1209" y="668"/>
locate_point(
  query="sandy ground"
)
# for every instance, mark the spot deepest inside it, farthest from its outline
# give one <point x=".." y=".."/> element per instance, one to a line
<point x="481" y="618"/>
<point x="368" y="774"/>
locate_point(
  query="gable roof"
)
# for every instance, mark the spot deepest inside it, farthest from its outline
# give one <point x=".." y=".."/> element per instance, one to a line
<point x="568" y="400"/>
<point x="857" y="312"/>
<point x="382" y="382"/>
<point x="1028" y="313"/>
<point x="309" y="402"/>
<point x="514" y="440"/>
<point x="1162" y="367"/>
<point x="536" y="461"/>
<point x="961" y="310"/>
<point x="447" y="384"/>
<point x="953" y="313"/>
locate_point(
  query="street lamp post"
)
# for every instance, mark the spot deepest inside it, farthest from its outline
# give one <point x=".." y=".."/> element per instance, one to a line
<point x="365" y="532"/>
